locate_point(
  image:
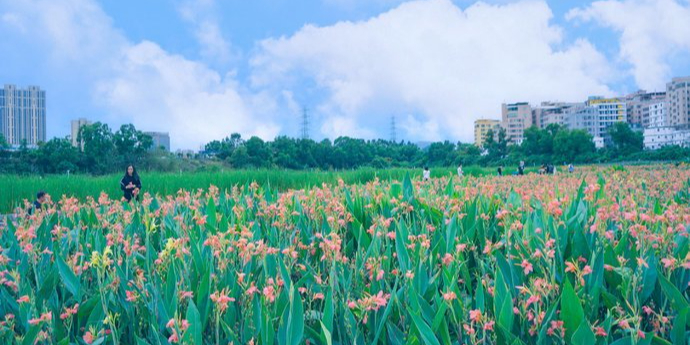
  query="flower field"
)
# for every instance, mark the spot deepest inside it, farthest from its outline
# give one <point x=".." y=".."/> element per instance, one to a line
<point x="597" y="257"/>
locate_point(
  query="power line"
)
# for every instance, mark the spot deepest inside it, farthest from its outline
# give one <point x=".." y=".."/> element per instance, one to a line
<point x="393" y="130"/>
<point x="305" y="123"/>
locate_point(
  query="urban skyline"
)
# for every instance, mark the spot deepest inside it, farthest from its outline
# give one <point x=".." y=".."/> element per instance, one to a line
<point x="641" y="109"/>
<point x="201" y="70"/>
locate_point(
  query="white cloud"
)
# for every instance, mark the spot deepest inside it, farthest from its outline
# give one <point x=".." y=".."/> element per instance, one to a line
<point x="651" y="31"/>
<point x="201" y="14"/>
<point x="435" y="59"/>
<point x="140" y="82"/>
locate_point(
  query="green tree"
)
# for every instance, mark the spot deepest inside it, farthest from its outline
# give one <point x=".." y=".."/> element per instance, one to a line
<point x="441" y="154"/>
<point x="259" y="154"/>
<point x="240" y="158"/>
<point x="131" y="145"/>
<point x="57" y="156"/>
<point x="99" y="149"/>
<point x="625" y="140"/>
<point x="570" y="146"/>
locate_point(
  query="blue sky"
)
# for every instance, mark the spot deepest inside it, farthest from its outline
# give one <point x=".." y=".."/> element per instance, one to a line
<point x="202" y="69"/>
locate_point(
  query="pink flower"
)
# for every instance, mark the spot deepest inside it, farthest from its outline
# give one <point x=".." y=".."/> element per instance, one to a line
<point x="23" y="299"/>
<point x="526" y="266"/>
<point x="586" y="270"/>
<point x="251" y="290"/>
<point x="475" y="315"/>
<point x="351" y="305"/>
<point x="570" y="267"/>
<point x="600" y="332"/>
<point x="88" y="337"/>
<point x="449" y="296"/>
<point x="318" y="296"/>
<point x="489" y="326"/>
<point x="668" y="262"/>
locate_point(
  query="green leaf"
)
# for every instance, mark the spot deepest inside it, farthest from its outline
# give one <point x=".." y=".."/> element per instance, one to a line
<point x="649" y="278"/>
<point x="328" y="310"/>
<point x="571" y="310"/>
<point x="295" y="321"/>
<point x="68" y="277"/>
<point x="30" y="336"/>
<point x="408" y="188"/>
<point x="401" y="249"/>
<point x="424" y="330"/>
<point x="48" y="286"/>
<point x="503" y="305"/>
<point x="194" y="319"/>
<point x="583" y="335"/>
<point x="211" y="220"/>
<point x="676" y="298"/>
<point x="326" y="334"/>
<point x="679" y="326"/>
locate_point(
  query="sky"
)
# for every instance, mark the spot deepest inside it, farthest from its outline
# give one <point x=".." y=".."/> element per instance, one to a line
<point x="203" y="69"/>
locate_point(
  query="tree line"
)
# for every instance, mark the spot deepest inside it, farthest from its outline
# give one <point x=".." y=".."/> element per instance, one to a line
<point x="103" y="151"/>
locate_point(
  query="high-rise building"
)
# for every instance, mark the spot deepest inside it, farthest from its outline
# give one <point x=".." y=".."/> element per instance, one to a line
<point x="481" y="127"/>
<point x="609" y="111"/>
<point x="515" y="119"/>
<point x="657" y="116"/>
<point x="76" y="126"/>
<point x="23" y="115"/>
<point x="552" y="113"/>
<point x="583" y="117"/>
<point x="637" y="106"/>
<point x="160" y="140"/>
<point x="678" y="102"/>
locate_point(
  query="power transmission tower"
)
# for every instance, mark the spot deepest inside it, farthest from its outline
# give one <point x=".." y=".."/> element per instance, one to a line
<point x="393" y="130"/>
<point x="305" y="123"/>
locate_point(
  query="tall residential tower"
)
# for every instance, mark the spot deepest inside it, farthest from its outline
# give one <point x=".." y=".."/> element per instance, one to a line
<point x="23" y="115"/>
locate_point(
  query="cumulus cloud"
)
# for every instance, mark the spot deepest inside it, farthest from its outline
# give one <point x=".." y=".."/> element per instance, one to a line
<point x="140" y="82"/>
<point x="201" y="14"/>
<point x="651" y="32"/>
<point x="435" y="59"/>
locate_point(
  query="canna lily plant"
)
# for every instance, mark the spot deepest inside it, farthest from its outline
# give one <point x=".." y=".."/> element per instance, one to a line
<point x="598" y="257"/>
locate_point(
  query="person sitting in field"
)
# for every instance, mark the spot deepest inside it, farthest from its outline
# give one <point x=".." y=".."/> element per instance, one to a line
<point x="460" y="171"/>
<point x="426" y="174"/>
<point x="38" y="203"/>
<point x="130" y="183"/>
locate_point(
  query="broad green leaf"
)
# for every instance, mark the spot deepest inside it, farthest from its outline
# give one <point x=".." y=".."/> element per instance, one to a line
<point x="295" y="321"/>
<point x="571" y="310"/>
<point x="679" y="327"/>
<point x="68" y="277"/>
<point x="675" y="297"/>
<point x="424" y="330"/>
<point x="583" y="335"/>
<point x="194" y="319"/>
<point x="326" y="334"/>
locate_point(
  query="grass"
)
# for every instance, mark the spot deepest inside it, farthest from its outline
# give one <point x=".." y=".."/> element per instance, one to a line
<point x="14" y="189"/>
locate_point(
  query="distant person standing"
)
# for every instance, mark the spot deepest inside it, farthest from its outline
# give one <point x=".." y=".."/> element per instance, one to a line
<point x="38" y="203"/>
<point x="500" y="170"/>
<point x="426" y="174"/>
<point x="571" y="168"/>
<point x="130" y="183"/>
<point x="521" y="168"/>
<point x="460" y="173"/>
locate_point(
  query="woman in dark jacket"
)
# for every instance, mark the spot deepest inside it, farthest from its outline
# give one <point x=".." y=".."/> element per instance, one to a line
<point x="130" y="183"/>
